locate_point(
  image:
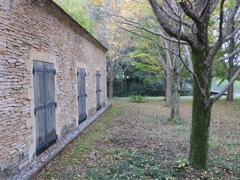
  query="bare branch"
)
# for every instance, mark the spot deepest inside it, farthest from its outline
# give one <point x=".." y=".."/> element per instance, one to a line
<point x="229" y="36"/>
<point x="223" y="58"/>
<point x="204" y="9"/>
<point x="190" y="13"/>
<point x="140" y="26"/>
<point x="213" y="5"/>
<point x="215" y="98"/>
<point x="233" y="33"/>
<point x="147" y="38"/>
<point x="221" y="40"/>
<point x="221" y="19"/>
<point x="190" y="70"/>
<point x="175" y="18"/>
<point x="172" y="31"/>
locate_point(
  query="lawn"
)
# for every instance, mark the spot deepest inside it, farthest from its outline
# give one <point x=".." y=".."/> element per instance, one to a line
<point x="138" y="141"/>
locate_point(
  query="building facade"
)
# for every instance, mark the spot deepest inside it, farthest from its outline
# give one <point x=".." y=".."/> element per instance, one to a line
<point x="52" y="77"/>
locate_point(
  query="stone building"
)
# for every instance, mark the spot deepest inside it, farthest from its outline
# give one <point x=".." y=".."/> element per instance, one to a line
<point x="52" y="77"/>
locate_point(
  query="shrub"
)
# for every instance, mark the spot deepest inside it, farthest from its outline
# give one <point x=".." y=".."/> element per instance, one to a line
<point x="138" y="99"/>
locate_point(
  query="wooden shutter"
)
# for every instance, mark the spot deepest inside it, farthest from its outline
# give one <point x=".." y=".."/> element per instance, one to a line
<point x="44" y="92"/>
<point x="81" y="77"/>
<point x="98" y="90"/>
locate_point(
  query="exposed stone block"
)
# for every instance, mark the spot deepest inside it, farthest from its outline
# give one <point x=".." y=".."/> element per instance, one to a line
<point x="3" y="50"/>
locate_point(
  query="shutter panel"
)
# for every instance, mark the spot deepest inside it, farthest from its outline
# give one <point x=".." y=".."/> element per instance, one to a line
<point x="45" y="104"/>
<point x="40" y="105"/>
<point x="81" y="77"/>
<point x="51" y="104"/>
<point x="98" y="90"/>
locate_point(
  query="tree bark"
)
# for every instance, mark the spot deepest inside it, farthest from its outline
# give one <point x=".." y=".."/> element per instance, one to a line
<point x="201" y="110"/>
<point x="175" y="92"/>
<point x="230" y="92"/>
<point x="111" y="79"/>
<point x="168" y="88"/>
<point x="231" y="69"/>
<point x="111" y="86"/>
<point x="169" y="78"/>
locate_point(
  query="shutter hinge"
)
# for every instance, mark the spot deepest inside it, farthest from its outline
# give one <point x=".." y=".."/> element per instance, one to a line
<point x="81" y="73"/>
<point x="43" y="70"/>
<point x="82" y="95"/>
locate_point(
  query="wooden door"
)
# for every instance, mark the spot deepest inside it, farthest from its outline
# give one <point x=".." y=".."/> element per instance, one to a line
<point x="98" y="90"/>
<point x="81" y="78"/>
<point x="44" y="94"/>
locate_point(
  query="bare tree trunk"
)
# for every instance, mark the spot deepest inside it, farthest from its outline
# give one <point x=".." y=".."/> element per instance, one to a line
<point x="201" y="111"/>
<point x="168" y="88"/>
<point x="231" y="70"/>
<point x="111" y="86"/>
<point x="168" y="84"/>
<point x="111" y="80"/>
<point x="230" y="92"/>
<point x="175" y="91"/>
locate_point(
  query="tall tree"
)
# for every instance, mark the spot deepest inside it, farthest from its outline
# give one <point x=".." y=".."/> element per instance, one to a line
<point x="118" y="42"/>
<point x="139" y="23"/>
<point x="165" y="64"/>
<point x="232" y="64"/>
<point x="198" y="14"/>
<point x="227" y="62"/>
<point x="117" y="62"/>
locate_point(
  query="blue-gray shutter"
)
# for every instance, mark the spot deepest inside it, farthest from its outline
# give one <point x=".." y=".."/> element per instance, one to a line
<point x="44" y="94"/>
<point x="81" y="78"/>
<point x="98" y="90"/>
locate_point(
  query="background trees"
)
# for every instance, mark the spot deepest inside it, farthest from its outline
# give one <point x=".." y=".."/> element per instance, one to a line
<point x="198" y="13"/>
<point x="188" y="23"/>
<point x="79" y="12"/>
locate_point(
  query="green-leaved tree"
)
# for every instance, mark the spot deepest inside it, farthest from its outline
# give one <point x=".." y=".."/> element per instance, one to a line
<point x="192" y="28"/>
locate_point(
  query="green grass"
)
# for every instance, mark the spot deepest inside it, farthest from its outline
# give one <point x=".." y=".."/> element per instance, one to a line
<point x="130" y="164"/>
<point x="138" y="141"/>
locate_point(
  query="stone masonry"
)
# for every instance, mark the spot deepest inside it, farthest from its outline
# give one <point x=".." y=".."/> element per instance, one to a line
<point x="35" y="30"/>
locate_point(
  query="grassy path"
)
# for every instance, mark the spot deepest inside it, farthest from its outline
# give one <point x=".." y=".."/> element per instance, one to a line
<point x="137" y="141"/>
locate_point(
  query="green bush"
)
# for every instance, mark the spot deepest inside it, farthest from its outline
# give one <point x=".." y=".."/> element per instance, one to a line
<point x="138" y="99"/>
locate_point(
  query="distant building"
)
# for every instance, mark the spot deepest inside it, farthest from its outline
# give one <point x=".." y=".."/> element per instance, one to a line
<point x="52" y="77"/>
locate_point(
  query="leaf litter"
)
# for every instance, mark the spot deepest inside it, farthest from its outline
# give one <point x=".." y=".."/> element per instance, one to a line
<point x="138" y="141"/>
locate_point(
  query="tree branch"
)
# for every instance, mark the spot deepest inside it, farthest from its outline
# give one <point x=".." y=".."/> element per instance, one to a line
<point x="221" y="40"/>
<point x="215" y="98"/>
<point x="213" y="5"/>
<point x="233" y="33"/>
<point x="204" y="9"/>
<point x="223" y="58"/>
<point x="140" y="26"/>
<point x="147" y="38"/>
<point x="190" y="13"/>
<point x="172" y="31"/>
<point x="180" y="57"/>
<point x="175" y="18"/>
<point x="221" y="19"/>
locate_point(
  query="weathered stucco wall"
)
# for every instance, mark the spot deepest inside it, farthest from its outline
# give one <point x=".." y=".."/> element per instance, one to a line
<point x="33" y="31"/>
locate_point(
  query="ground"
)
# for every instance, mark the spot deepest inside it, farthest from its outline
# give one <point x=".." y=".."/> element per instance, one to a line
<point x="139" y="141"/>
